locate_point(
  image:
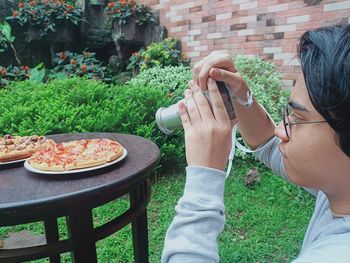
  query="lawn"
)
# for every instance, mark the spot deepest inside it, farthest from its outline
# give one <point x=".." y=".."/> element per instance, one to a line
<point x="265" y="223"/>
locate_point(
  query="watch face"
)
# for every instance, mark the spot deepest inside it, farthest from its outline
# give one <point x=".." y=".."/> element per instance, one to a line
<point x="227" y="99"/>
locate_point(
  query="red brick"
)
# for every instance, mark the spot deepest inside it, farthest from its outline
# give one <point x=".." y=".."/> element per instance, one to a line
<point x="238" y="27"/>
<point x="208" y="18"/>
<point x="308" y="25"/>
<point x="195" y="9"/>
<point x="183" y="22"/>
<point x="255" y="38"/>
<point x="240" y="13"/>
<point x="267" y="2"/>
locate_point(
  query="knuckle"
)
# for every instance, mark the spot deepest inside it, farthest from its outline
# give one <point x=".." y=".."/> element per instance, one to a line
<point x="201" y="103"/>
<point x="192" y="110"/>
<point x="196" y="68"/>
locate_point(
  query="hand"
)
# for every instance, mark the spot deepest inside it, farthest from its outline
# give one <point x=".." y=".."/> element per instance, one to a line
<point x="207" y="130"/>
<point x="219" y="66"/>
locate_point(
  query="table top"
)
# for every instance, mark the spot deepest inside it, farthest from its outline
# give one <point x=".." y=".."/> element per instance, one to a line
<point x="24" y="190"/>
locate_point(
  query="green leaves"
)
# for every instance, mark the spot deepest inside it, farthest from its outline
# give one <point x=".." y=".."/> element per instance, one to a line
<point x="83" y="105"/>
<point x="46" y="15"/>
<point x="5" y="36"/>
<point x="164" y="53"/>
<point x="37" y="74"/>
<point x="124" y="10"/>
<point x="265" y="81"/>
<point x="172" y="80"/>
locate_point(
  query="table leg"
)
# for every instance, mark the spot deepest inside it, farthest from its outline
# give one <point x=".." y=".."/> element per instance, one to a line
<point x="81" y="232"/>
<point x="139" y="226"/>
<point x="52" y="236"/>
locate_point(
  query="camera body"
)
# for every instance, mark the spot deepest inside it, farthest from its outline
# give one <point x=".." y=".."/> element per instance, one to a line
<point x="168" y="119"/>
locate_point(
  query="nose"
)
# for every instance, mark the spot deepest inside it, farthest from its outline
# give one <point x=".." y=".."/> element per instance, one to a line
<point x="280" y="132"/>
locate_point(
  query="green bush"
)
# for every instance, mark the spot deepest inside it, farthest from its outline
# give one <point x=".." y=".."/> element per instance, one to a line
<point x="164" y="53"/>
<point x="82" y="105"/>
<point x="265" y="82"/>
<point x="173" y="80"/>
<point x="69" y="64"/>
<point x="261" y="76"/>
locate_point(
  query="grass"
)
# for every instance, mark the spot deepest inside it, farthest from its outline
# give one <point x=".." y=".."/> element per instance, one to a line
<point x="265" y="223"/>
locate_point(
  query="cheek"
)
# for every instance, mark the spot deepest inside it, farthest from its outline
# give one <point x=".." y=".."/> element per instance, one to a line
<point x="306" y="161"/>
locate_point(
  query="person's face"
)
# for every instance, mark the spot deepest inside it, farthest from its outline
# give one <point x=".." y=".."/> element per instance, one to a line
<point x="311" y="155"/>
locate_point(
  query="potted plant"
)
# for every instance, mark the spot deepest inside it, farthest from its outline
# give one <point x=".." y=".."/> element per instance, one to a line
<point x="45" y="17"/>
<point x="128" y="18"/>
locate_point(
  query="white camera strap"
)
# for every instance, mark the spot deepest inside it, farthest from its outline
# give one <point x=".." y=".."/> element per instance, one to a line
<point x="235" y="143"/>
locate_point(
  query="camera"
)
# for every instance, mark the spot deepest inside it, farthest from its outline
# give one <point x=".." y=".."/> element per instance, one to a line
<point x="168" y="119"/>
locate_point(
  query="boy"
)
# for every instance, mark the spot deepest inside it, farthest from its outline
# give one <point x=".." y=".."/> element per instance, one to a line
<point x="310" y="148"/>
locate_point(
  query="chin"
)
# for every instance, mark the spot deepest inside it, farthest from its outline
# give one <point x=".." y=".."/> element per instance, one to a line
<point x="293" y="176"/>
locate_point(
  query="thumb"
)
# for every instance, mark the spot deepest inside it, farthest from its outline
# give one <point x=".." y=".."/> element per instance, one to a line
<point x="234" y="80"/>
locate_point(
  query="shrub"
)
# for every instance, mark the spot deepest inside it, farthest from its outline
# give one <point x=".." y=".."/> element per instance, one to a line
<point x="46" y="14"/>
<point x="83" y="105"/>
<point x="13" y="73"/>
<point x="69" y="64"/>
<point x="173" y="80"/>
<point x="265" y="81"/>
<point x="164" y="53"/>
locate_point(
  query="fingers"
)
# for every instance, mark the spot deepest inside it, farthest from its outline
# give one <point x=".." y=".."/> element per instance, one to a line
<point x="234" y="80"/>
<point x="202" y="102"/>
<point x="219" y="110"/>
<point x="196" y="69"/>
<point x="185" y="118"/>
<point x="219" y="59"/>
<point x="192" y="108"/>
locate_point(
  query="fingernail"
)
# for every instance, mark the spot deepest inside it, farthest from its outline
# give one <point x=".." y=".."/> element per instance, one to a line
<point x="188" y="92"/>
<point x="181" y="105"/>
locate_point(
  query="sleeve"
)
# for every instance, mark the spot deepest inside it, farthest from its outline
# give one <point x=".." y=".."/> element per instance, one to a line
<point x="269" y="154"/>
<point x="192" y="236"/>
<point x="330" y="249"/>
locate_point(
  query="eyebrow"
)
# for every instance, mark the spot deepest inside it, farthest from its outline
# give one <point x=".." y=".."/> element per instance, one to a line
<point x="297" y="106"/>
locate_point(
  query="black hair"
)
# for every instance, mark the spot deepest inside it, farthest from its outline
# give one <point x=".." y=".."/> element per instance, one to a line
<point x="324" y="55"/>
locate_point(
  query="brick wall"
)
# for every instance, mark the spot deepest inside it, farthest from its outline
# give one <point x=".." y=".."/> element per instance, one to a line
<point x="268" y="28"/>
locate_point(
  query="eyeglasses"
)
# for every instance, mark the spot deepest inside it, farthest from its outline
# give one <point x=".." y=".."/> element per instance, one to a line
<point x="288" y="124"/>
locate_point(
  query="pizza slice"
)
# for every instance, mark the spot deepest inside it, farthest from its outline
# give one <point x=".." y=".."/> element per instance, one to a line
<point x="19" y="147"/>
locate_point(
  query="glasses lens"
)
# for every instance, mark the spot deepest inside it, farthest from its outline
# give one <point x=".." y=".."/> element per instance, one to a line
<point x="286" y="120"/>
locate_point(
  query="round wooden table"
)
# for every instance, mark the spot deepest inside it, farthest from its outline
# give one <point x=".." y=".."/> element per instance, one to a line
<point x="27" y="197"/>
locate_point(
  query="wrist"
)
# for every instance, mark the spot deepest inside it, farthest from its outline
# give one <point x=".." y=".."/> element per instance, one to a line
<point x="204" y="180"/>
<point x="242" y="96"/>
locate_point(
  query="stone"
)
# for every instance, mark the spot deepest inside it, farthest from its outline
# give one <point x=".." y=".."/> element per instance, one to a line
<point x="23" y="239"/>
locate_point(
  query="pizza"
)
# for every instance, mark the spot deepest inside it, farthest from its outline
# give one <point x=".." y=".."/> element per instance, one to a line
<point x="20" y="147"/>
<point x="76" y="154"/>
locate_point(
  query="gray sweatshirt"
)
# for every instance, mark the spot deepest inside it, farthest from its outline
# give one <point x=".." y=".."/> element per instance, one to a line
<point x="200" y="217"/>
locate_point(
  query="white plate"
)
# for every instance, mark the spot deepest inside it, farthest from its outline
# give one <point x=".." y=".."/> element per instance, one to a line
<point x="34" y="170"/>
<point x="15" y="161"/>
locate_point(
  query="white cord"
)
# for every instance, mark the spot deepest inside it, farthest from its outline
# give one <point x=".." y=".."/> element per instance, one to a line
<point x="236" y="143"/>
<point x="232" y="152"/>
